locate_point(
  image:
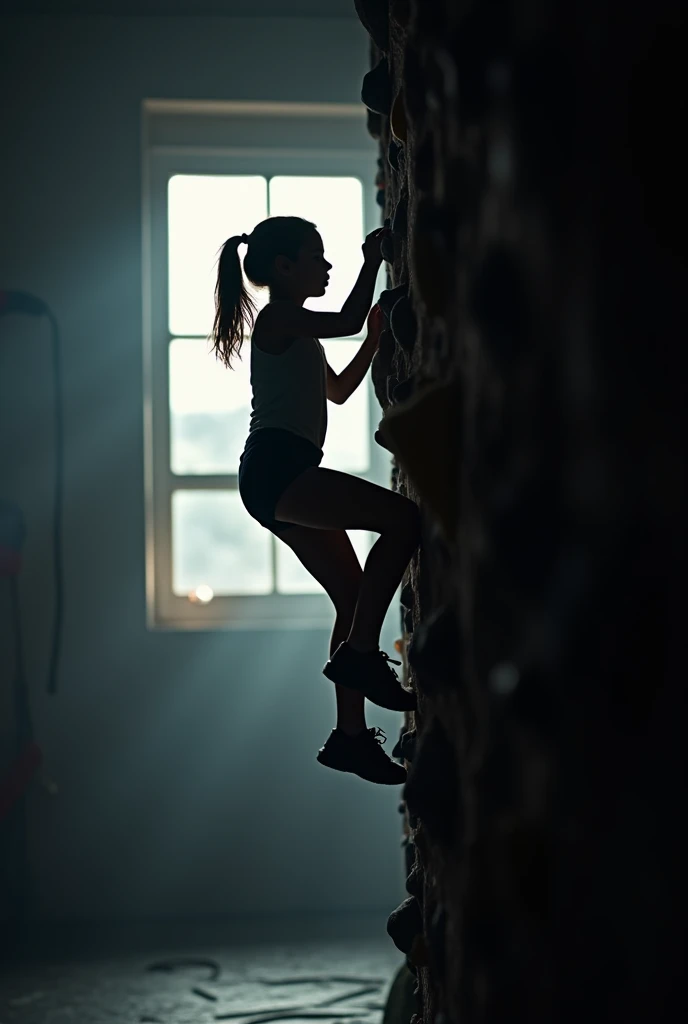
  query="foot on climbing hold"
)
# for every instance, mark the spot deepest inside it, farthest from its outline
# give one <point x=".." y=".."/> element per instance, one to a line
<point x="370" y="674"/>
<point x="361" y="755"/>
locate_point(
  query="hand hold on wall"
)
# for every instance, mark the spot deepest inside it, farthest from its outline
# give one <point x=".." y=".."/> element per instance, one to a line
<point x="376" y="91"/>
<point x="423" y="434"/>
<point x="405" y="923"/>
<point x="390" y="296"/>
<point x="404" y="324"/>
<point x="395" y="154"/>
<point x="397" y="118"/>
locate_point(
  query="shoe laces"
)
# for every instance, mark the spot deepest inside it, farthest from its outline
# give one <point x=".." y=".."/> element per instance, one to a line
<point x="377" y="733"/>
<point x="386" y="658"/>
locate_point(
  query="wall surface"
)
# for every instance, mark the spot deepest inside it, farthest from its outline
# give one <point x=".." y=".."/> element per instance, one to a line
<point x="185" y="762"/>
<point x="533" y="386"/>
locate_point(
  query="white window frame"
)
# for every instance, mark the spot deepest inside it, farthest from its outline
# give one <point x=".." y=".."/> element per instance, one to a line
<point x="190" y="137"/>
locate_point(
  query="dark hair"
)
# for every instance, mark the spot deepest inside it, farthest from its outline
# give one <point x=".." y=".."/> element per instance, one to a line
<point x="234" y="308"/>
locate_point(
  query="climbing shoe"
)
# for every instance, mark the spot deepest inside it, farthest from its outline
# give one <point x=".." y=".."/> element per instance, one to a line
<point x="362" y="755"/>
<point x="371" y="675"/>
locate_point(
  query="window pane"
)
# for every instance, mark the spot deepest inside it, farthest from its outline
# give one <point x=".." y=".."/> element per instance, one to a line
<point x="210" y="408"/>
<point x="335" y="206"/>
<point x="293" y="578"/>
<point x="347" y="442"/>
<point x="217" y="544"/>
<point x="204" y="211"/>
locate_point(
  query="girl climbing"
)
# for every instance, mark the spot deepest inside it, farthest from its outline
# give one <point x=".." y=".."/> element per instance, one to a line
<point x="281" y="484"/>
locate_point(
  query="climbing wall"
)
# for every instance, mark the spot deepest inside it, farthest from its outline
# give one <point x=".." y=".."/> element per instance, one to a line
<point x="531" y="171"/>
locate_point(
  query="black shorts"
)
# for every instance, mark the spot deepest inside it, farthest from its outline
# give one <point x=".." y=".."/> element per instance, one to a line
<point x="271" y="459"/>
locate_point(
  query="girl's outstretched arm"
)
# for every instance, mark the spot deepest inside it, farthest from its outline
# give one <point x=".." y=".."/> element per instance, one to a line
<point x="292" y="319"/>
<point x="344" y="384"/>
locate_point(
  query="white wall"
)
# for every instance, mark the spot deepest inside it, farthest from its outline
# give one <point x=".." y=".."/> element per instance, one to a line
<point x="186" y="762"/>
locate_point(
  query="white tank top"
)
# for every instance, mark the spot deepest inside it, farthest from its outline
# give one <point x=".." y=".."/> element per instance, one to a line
<point x="290" y="390"/>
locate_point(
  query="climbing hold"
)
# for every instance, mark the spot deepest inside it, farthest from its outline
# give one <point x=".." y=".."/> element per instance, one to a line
<point x="432" y="790"/>
<point x="423" y="434"/>
<point x="386" y="347"/>
<point x="433" y="653"/>
<point x="380" y="198"/>
<point x="387" y="248"/>
<point x="373" y="15"/>
<point x="408" y="745"/>
<point x="397" y="118"/>
<point x="392" y="383"/>
<point x="430" y="256"/>
<point x="393" y="153"/>
<point x="376" y="91"/>
<point x="381" y="441"/>
<point x="400" y="646"/>
<point x="381" y="366"/>
<point x="390" y="297"/>
<point x="380" y="178"/>
<point x="403" y="323"/>
<point x="405" y="923"/>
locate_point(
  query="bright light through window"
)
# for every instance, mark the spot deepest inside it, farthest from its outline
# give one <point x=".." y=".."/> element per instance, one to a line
<point x="204" y="211"/>
<point x="335" y="206"/>
<point x="217" y="548"/>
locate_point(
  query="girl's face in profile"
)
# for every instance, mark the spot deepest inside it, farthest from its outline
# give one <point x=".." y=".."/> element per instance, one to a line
<point x="310" y="273"/>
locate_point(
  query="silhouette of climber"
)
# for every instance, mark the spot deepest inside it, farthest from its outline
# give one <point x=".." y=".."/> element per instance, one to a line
<point x="280" y="480"/>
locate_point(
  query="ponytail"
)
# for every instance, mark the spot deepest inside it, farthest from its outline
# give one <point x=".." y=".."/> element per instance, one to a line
<point x="234" y="308"/>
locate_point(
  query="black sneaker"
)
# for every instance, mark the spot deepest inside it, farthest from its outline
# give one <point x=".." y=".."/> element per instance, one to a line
<point x="361" y="755"/>
<point x="370" y="674"/>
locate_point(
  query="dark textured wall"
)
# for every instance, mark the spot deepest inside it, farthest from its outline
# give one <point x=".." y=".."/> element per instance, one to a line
<point x="535" y="192"/>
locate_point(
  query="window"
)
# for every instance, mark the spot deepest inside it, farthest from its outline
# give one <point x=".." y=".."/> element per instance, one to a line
<point x="209" y="564"/>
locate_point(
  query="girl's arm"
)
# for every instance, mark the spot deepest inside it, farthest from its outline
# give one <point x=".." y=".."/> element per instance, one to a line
<point x="288" y="318"/>
<point x="345" y="383"/>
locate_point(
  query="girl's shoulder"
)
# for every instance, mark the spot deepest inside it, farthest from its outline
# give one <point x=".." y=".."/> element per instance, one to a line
<point x="268" y="333"/>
